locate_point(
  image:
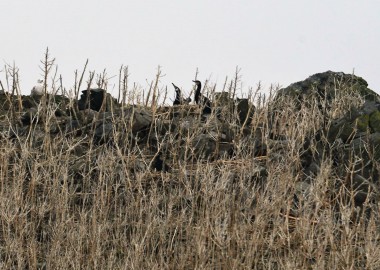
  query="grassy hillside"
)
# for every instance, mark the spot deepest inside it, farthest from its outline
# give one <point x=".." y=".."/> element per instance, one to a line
<point x="272" y="192"/>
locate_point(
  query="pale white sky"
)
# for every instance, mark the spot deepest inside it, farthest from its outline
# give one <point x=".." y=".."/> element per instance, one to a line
<point x="272" y="41"/>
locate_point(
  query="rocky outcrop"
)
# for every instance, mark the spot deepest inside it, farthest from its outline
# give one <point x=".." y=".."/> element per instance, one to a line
<point x="347" y="134"/>
<point x="350" y="137"/>
<point x="101" y="118"/>
<point x="327" y="86"/>
<point x="356" y="140"/>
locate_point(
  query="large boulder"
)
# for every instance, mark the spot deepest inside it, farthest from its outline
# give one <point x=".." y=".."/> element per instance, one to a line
<point x="349" y="128"/>
<point x="324" y="88"/>
<point x="329" y="95"/>
<point x="96" y="99"/>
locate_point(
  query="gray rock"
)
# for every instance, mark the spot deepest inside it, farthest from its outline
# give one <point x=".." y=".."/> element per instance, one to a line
<point x="245" y="110"/>
<point x="104" y="132"/>
<point x="370" y="107"/>
<point x="139" y="118"/>
<point x="312" y="170"/>
<point x="72" y="126"/>
<point x="204" y="146"/>
<point x="97" y="99"/>
<point x="87" y="116"/>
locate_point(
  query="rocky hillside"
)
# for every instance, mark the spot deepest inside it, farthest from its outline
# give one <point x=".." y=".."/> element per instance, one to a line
<point x="315" y="138"/>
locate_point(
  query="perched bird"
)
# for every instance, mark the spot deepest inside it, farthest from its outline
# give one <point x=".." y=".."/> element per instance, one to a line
<point x="38" y="89"/>
<point x="197" y="96"/>
<point x="179" y="98"/>
<point x="202" y="100"/>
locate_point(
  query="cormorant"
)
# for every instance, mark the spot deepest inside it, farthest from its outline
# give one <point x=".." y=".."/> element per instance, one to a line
<point x="202" y="100"/>
<point x="178" y="98"/>
<point x="197" y="96"/>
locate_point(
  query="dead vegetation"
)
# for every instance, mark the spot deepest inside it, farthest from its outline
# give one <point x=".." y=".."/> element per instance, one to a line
<point x="69" y="201"/>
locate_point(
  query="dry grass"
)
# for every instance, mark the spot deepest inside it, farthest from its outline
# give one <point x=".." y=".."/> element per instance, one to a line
<point x="202" y="215"/>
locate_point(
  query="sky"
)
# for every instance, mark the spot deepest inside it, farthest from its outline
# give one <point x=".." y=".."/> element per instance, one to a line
<point x="272" y="42"/>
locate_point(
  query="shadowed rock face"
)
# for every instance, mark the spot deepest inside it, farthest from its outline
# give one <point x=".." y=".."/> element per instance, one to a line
<point x="94" y="98"/>
<point x="245" y="110"/>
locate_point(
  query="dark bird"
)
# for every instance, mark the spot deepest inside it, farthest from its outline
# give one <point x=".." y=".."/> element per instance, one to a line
<point x="197" y="96"/>
<point x="179" y="100"/>
<point x="202" y="100"/>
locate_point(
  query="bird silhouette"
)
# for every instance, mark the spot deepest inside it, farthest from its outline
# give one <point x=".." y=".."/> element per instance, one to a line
<point x="202" y="100"/>
<point x="179" y="100"/>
